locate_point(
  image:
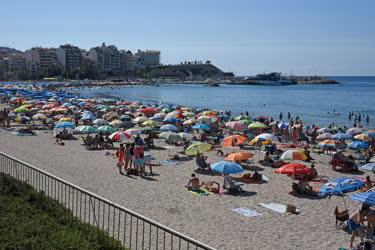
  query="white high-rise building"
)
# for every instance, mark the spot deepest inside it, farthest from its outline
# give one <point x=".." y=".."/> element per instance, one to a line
<point x="69" y="57"/>
<point x="148" y="58"/>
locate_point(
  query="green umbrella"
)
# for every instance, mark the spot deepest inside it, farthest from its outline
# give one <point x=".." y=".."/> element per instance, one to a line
<point x="198" y="147"/>
<point x="257" y="125"/>
<point x="21" y="110"/>
<point x="107" y="129"/>
<point x="247" y="121"/>
<point x="85" y="130"/>
<point x="241" y="117"/>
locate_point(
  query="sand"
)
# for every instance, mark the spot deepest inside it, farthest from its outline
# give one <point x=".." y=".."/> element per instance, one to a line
<point x="209" y="219"/>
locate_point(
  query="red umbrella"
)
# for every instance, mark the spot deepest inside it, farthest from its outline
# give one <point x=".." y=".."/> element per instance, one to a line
<point x="293" y="169"/>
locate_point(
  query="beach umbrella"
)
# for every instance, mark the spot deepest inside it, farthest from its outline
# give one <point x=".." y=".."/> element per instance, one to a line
<point x="159" y="116"/>
<point x="355" y="130"/>
<point x="107" y="129"/>
<point x="331" y="144"/>
<point x="369" y="166"/>
<point x="100" y="122"/>
<point x="341" y="185"/>
<point x="148" y="111"/>
<point x="324" y="136"/>
<point x="206" y="119"/>
<point x="186" y="136"/>
<point x="247" y="122"/>
<point x="133" y="131"/>
<point x="256" y="125"/>
<point x="170" y="120"/>
<point x="266" y="137"/>
<point x="118" y="136"/>
<point x="140" y="119"/>
<point x="65" y="119"/>
<point x="234" y="140"/>
<point x="83" y="129"/>
<point x="365" y="197"/>
<point x="236" y="125"/>
<point x="20" y="110"/>
<point x="370" y="133"/>
<point x="116" y="123"/>
<point x="342" y="136"/>
<point x="167" y="110"/>
<point x="226" y="167"/>
<point x="187" y="114"/>
<point x="241" y="117"/>
<point x="209" y="113"/>
<point x="65" y="125"/>
<point x="293" y="169"/>
<point x="198" y="147"/>
<point x="202" y="126"/>
<point x="39" y="117"/>
<point x="293" y="155"/>
<point x="110" y="116"/>
<point x="283" y="125"/>
<point x="87" y="117"/>
<point x="363" y="137"/>
<point x="357" y="145"/>
<point x="150" y="123"/>
<point x="171" y="137"/>
<point x="324" y="130"/>
<point x="189" y="122"/>
<point x="239" y="156"/>
<point x="169" y="127"/>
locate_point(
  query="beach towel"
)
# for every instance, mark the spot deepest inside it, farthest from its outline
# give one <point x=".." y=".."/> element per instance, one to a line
<point x="246" y="211"/>
<point x="199" y="192"/>
<point x="280" y="208"/>
<point x="24" y="134"/>
<point x="168" y="163"/>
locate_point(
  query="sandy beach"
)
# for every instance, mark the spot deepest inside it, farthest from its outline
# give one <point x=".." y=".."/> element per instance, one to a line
<point x="209" y="219"/>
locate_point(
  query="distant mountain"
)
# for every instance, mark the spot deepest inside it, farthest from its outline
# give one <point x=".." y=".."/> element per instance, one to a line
<point x="8" y="50"/>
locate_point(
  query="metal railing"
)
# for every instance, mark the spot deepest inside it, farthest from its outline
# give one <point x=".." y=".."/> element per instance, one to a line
<point x="132" y="229"/>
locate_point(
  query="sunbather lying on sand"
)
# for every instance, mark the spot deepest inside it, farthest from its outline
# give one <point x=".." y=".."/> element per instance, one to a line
<point x="211" y="186"/>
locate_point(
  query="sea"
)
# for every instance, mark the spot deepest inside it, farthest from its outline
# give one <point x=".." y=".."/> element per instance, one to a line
<point x="314" y="104"/>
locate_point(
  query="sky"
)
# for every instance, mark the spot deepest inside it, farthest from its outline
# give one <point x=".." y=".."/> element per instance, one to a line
<point x="300" y="37"/>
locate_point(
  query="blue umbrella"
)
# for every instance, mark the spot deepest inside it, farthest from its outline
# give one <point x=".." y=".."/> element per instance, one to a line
<point x="366" y="197"/>
<point x="342" y="136"/>
<point x="369" y="166"/>
<point x="169" y="127"/>
<point x="171" y="120"/>
<point x="65" y="125"/>
<point x="202" y="126"/>
<point x="226" y="167"/>
<point x="370" y="134"/>
<point x="341" y="185"/>
<point x="359" y="145"/>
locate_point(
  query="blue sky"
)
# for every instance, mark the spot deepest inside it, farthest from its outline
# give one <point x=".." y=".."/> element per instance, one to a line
<point x="328" y="37"/>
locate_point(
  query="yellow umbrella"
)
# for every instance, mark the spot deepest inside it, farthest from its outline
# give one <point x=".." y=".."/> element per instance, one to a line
<point x="150" y="123"/>
<point x="198" y="147"/>
<point x="362" y="137"/>
<point x="65" y="119"/>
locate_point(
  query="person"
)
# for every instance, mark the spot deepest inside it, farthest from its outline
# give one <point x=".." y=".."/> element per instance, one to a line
<point x="120" y="157"/>
<point x="128" y="157"/>
<point x="307" y="153"/>
<point x="193" y="183"/>
<point x="139" y="158"/>
<point x="200" y="160"/>
<point x="267" y="159"/>
<point x="211" y="186"/>
<point x="304" y="186"/>
<point x="59" y="139"/>
<point x="355" y="223"/>
<point x="229" y="184"/>
<point x="313" y="172"/>
<point x="368" y="183"/>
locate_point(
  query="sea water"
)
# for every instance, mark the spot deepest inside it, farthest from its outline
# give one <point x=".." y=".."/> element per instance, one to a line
<point x="319" y="104"/>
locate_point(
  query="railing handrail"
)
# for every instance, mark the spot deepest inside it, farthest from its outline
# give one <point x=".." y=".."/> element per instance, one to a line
<point x="126" y="210"/>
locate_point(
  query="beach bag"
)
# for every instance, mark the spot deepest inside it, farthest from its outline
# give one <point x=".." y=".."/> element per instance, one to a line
<point x="291" y="209"/>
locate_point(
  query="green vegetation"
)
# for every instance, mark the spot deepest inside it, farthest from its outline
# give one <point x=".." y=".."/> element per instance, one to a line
<point x="29" y="220"/>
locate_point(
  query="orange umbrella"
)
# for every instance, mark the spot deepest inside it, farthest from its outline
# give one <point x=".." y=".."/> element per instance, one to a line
<point x="240" y="156"/>
<point x="293" y="168"/>
<point x="234" y="140"/>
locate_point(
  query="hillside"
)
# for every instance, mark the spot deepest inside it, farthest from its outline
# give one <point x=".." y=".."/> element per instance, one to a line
<point x="181" y="71"/>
